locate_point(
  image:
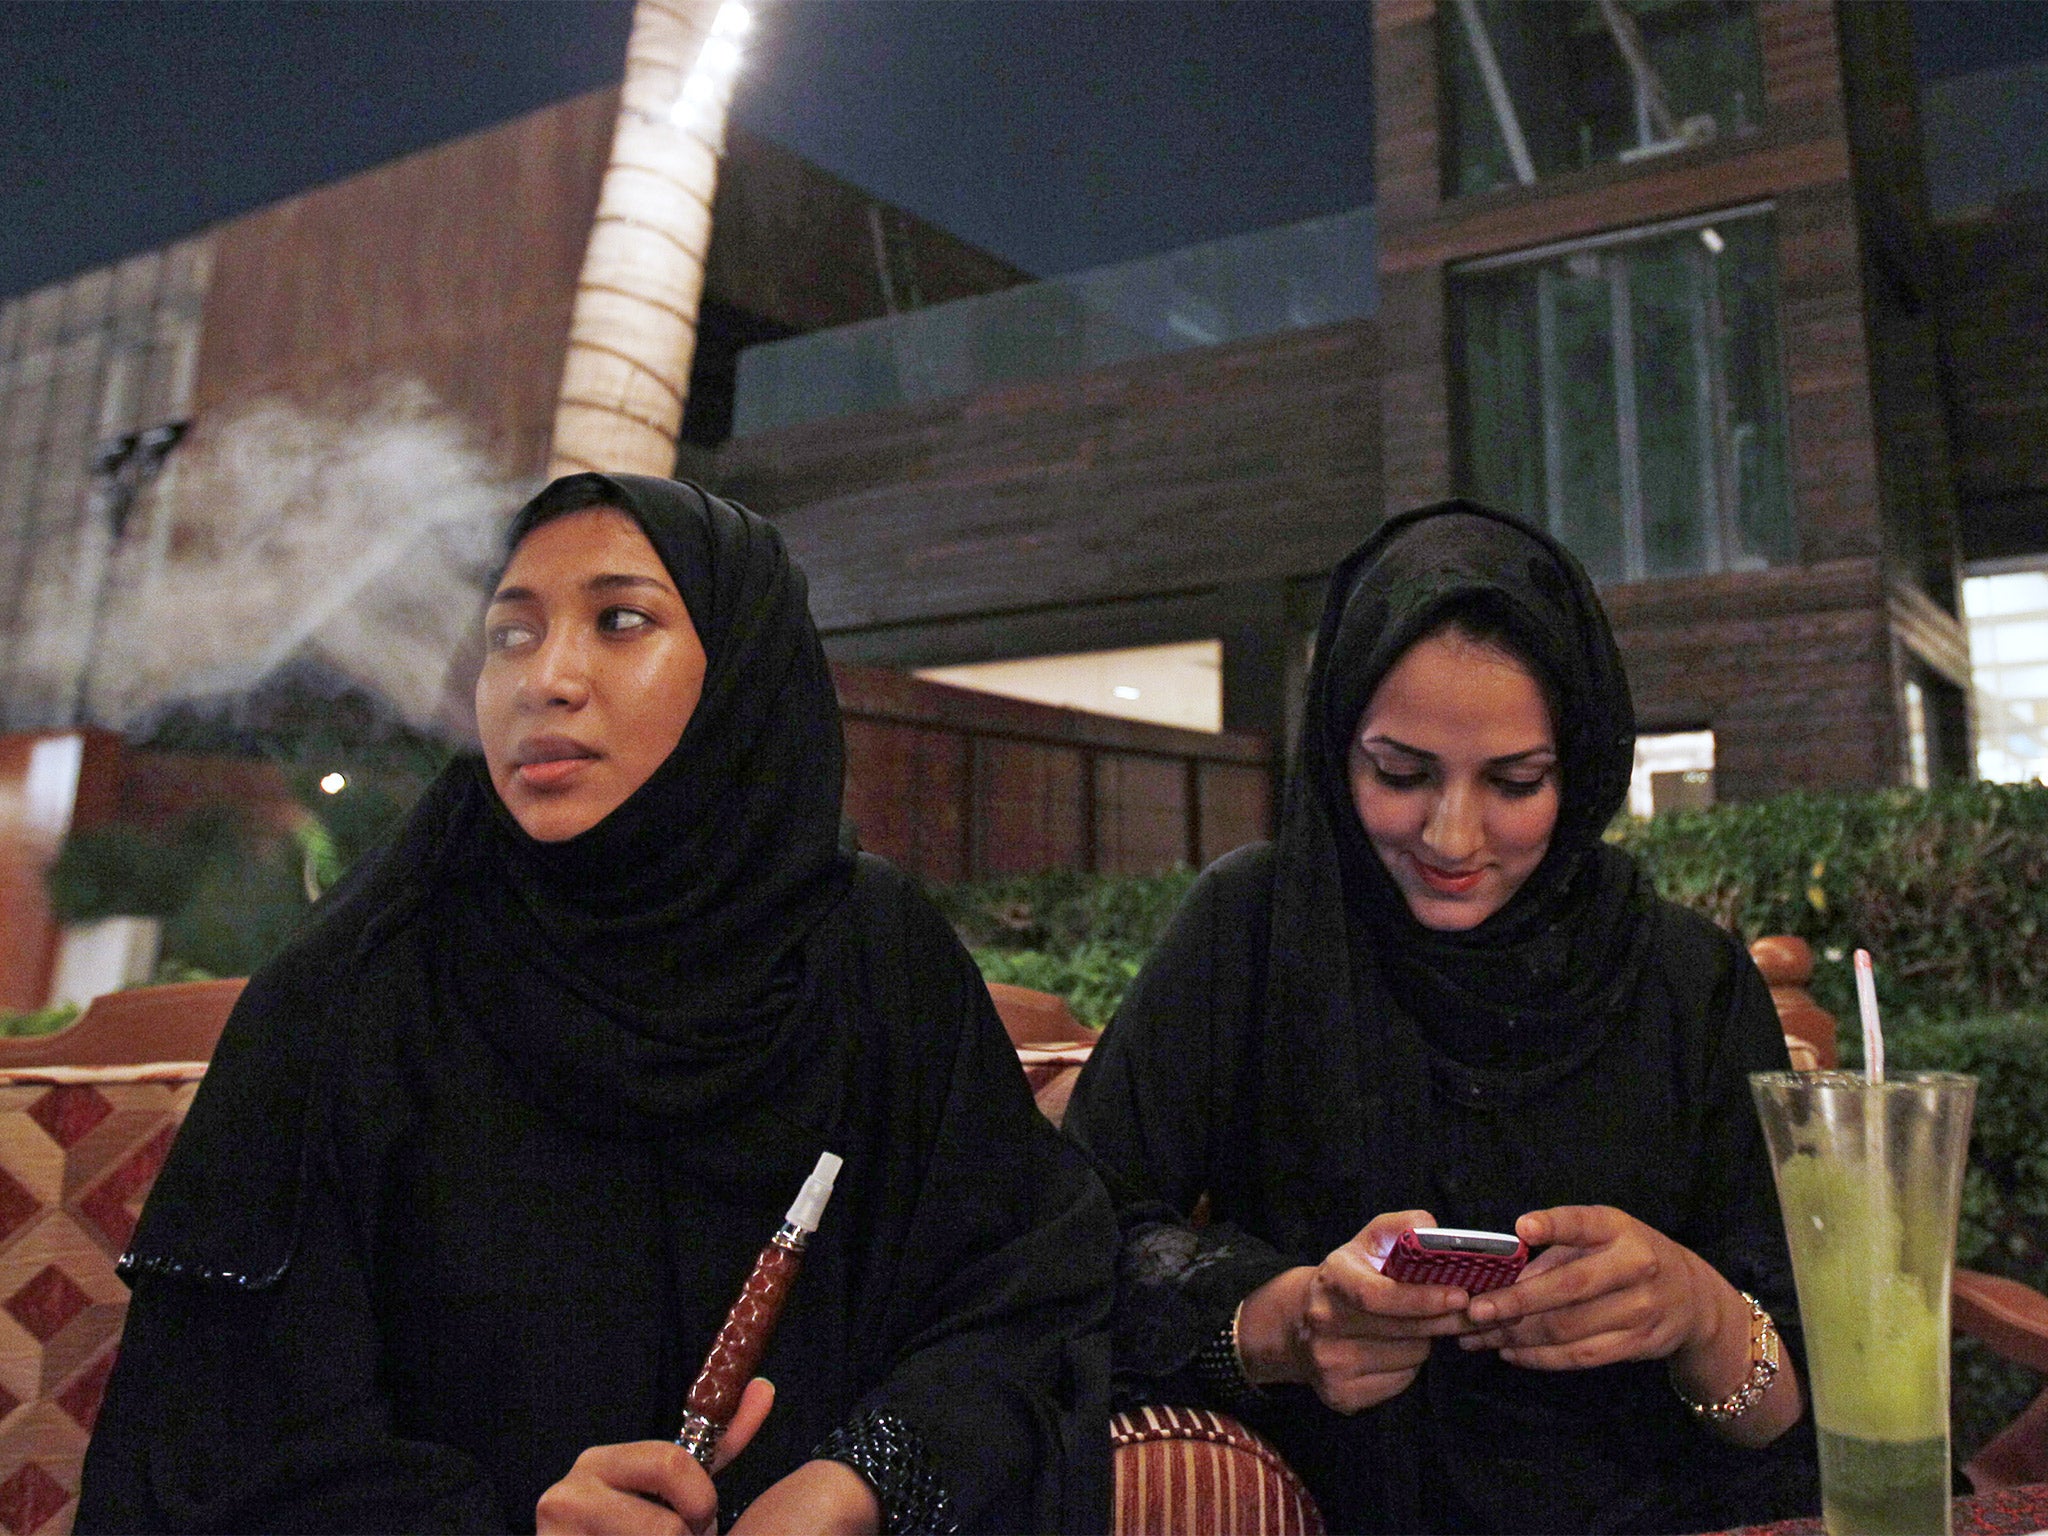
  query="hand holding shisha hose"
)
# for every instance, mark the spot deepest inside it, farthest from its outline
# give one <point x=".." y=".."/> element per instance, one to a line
<point x="736" y="1352"/>
<point x="726" y="1396"/>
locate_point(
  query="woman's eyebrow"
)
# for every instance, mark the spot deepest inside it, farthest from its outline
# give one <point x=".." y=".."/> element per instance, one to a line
<point x="1516" y="757"/>
<point x="512" y="595"/>
<point x="613" y="582"/>
<point x="1398" y="746"/>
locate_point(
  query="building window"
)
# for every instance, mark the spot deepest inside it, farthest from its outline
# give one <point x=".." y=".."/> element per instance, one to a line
<point x="2007" y="607"/>
<point x="1674" y="771"/>
<point x="1534" y="90"/>
<point x="1626" y="392"/>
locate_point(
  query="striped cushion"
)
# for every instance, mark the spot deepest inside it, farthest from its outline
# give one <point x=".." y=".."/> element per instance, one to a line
<point x="1193" y="1472"/>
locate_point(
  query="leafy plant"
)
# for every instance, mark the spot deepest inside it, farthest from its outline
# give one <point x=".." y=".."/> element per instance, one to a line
<point x="15" y="1025"/>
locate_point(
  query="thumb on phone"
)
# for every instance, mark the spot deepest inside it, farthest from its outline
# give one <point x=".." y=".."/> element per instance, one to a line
<point x="1382" y="1232"/>
<point x="756" y="1398"/>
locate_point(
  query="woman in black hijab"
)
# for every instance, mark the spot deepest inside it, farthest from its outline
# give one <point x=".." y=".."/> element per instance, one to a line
<point x="1440" y="998"/>
<point x="484" y="1157"/>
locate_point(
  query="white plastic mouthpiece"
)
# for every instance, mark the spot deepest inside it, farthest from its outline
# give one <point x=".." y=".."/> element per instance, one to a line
<point x="810" y="1200"/>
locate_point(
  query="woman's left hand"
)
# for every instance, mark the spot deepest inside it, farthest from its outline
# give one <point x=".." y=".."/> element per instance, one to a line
<point x="1606" y="1288"/>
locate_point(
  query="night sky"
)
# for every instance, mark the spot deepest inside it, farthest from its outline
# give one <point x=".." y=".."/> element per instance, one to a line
<point x="1060" y="135"/>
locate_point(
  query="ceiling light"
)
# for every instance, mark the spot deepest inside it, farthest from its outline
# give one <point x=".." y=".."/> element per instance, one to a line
<point x="1125" y="691"/>
<point x="334" y="783"/>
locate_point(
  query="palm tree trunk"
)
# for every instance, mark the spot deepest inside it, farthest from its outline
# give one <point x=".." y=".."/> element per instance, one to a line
<point x="633" y="332"/>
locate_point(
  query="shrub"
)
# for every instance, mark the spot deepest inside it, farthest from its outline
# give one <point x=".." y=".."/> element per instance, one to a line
<point x="16" y="1025"/>
<point x="1943" y="887"/>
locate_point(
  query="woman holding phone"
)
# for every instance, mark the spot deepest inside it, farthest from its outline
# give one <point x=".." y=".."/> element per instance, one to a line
<point x="485" y="1156"/>
<point x="1440" y="999"/>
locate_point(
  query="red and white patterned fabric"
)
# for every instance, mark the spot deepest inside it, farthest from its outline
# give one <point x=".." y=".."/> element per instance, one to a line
<point x="79" y="1149"/>
<point x="1194" y="1472"/>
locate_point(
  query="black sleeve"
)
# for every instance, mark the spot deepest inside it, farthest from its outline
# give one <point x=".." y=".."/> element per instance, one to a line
<point x="235" y="1409"/>
<point x="992" y="1257"/>
<point x="1154" y="1107"/>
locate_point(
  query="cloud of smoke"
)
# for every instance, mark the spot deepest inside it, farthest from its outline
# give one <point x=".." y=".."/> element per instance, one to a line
<point x="362" y="538"/>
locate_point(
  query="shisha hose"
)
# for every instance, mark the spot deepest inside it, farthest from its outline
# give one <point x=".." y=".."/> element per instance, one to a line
<point x="736" y="1353"/>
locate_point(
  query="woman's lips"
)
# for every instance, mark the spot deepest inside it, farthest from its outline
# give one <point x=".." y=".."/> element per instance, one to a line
<point x="549" y="764"/>
<point x="1443" y="881"/>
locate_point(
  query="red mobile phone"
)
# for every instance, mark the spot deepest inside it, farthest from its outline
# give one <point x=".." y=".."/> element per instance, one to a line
<point x="1472" y="1261"/>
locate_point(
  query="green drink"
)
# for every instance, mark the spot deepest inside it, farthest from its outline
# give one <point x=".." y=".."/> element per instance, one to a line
<point x="1869" y="1179"/>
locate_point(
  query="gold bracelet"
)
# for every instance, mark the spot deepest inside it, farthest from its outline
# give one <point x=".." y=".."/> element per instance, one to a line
<point x="1763" y="1370"/>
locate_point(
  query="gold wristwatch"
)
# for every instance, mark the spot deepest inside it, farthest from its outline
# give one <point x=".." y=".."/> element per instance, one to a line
<point x="1763" y="1370"/>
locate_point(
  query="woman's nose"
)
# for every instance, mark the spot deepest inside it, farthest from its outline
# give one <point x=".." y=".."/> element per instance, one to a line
<point x="1454" y="830"/>
<point x="558" y="674"/>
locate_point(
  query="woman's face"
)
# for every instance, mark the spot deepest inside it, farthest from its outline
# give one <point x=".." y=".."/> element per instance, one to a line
<point x="1454" y="773"/>
<point x="591" y="670"/>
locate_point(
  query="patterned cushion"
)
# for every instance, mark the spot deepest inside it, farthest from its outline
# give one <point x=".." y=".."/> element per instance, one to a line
<point x="1194" y="1472"/>
<point x="79" y="1149"/>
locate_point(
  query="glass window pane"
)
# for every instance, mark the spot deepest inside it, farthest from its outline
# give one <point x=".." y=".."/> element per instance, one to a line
<point x="1629" y="396"/>
<point x="1679" y="72"/>
<point x="1575" y="313"/>
<point x="1760" y="488"/>
<point x="1504" y="420"/>
<point x="1674" y="407"/>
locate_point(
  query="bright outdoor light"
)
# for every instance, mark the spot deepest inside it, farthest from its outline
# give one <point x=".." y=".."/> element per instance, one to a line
<point x="1711" y="239"/>
<point x="710" y="78"/>
<point x="334" y="783"/>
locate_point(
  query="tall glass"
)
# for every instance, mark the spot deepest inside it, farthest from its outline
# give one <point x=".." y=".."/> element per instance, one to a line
<point x="1869" y="1179"/>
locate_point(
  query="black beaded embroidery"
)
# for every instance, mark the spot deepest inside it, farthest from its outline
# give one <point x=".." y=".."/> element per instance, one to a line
<point x="893" y="1458"/>
<point x="1221" y="1373"/>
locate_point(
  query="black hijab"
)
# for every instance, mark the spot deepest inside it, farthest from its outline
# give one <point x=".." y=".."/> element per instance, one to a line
<point x="1352" y="976"/>
<point x="651" y="967"/>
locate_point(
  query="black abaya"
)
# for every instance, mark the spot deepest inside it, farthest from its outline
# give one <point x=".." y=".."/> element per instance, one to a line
<point x="1304" y="1052"/>
<point x="483" y="1159"/>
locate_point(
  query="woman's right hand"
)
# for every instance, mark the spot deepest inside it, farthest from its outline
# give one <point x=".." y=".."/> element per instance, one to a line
<point x="648" y="1487"/>
<point x="1344" y="1328"/>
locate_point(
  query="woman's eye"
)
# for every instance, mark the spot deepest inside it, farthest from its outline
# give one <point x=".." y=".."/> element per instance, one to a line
<point x="620" y="621"/>
<point x="1412" y="780"/>
<point x="1521" y="789"/>
<point x="503" y="637"/>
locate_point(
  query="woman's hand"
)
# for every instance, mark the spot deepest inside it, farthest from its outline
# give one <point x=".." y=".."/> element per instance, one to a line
<point x="1345" y="1329"/>
<point x="1606" y="1289"/>
<point x="827" y="1498"/>
<point x="1609" y="1288"/>
<point x="648" y="1487"/>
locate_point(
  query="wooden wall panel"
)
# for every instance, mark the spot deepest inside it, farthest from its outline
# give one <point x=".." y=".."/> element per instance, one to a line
<point x="455" y="266"/>
<point x="1172" y="474"/>
<point x="907" y="795"/>
<point x="1235" y="808"/>
<point x="1407" y="158"/>
<point x="952" y="784"/>
<point x="1827" y="376"/>
<point x="1141" y="814"/>
<point x="1029" y="808"/>
<point x="1791" y="669"/>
